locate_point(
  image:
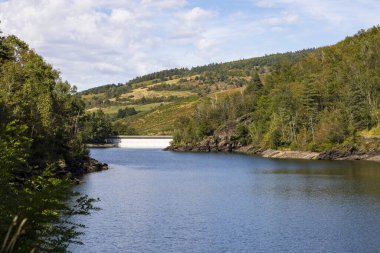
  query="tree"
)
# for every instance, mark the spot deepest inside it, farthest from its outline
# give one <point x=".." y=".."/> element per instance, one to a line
<point x="255" y="85"/>
<point x="127" y="111"/>
<point x="97" y="127"/>
<point x="361" y="114"/>
<point x="39" y="130"/>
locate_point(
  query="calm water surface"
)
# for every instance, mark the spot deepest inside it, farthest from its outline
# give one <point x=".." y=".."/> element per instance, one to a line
<point x="156" y="201"/>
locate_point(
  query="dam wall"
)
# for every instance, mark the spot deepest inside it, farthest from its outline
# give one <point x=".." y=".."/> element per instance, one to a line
<point x="124" y="141"/>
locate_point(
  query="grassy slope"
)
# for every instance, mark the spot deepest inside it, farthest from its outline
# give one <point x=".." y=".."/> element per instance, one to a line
<point x="144" y="92"/>
<point x="113" y="109"/>
<point x="161" y="120"/>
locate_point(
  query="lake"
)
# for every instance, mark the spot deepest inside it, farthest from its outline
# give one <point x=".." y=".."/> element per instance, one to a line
<point x="158" y="201"/>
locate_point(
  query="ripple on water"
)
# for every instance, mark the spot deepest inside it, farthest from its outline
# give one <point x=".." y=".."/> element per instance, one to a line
<point x="155" y="201"/>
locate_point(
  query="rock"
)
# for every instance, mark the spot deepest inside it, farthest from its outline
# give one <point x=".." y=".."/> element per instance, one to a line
<point x="93" y="165"/>
<point x="77" y="181"/>
<point x="270" y="153"/>
<point x="78" y="167"/>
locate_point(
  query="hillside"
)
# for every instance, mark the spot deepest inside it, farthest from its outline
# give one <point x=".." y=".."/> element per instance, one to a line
<point x="327" y="99"/>
<point x="316" y="99"/>
<point x="151" y="104"/>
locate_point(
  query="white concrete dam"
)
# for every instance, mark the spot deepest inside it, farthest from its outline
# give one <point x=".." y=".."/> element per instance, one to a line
<point x="124" y="141"/>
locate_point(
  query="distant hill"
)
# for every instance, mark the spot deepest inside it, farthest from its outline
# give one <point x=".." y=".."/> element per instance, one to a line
<point x="159" y="99"/>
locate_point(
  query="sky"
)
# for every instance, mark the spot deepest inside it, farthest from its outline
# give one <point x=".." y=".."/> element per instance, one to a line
<point x="97" y="42"/>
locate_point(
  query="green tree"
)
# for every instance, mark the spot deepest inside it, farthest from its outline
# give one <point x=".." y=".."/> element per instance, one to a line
<point x="39" y="129"/>
<point x="97" y="127"/>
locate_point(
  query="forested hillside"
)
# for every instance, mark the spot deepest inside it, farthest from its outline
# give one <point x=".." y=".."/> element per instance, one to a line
<point x="41" y="147"/>
<point x="327" y="98"/>
<point x="152" y="103"/>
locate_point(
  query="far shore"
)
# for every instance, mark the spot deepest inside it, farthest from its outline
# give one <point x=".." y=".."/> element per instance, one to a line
<point x="285" y="154"/>
<point x="99" y="145"/>
<point x="308" y="155"/>
<point x="269" y="153"/>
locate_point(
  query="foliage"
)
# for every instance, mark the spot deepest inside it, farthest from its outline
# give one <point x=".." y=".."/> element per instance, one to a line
<point x="40" y="125"/>
<point x="123" y="128"/>
<point x="110" y="89"/>
<point x="161" y="75"/>
<point x="316" y="101"/>
<point x="96" y="127"/>
<point x="266" y="60"/>
<point x="127" y="111"/>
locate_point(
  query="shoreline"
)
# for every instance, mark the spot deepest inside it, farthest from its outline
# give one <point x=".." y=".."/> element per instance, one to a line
<point x="333" y="155"/>
<point x="79" y="167"/>
<point x="104" y="145"/>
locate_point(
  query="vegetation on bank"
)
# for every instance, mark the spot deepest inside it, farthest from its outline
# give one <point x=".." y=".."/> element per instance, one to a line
<point x="41" y="127"/>
<point x="327" y="98"/>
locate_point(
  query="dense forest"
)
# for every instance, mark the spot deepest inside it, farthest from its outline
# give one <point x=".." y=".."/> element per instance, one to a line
<point x="42" y="126"/>
<point x="329" y="97"/>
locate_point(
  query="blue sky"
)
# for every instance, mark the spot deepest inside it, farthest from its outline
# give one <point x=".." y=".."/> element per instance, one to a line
<point x="95" y="42"/>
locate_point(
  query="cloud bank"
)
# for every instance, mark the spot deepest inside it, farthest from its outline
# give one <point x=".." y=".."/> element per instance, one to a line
<point x="94" y="42"/>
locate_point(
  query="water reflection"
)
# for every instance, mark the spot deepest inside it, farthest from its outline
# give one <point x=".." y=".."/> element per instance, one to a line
<point x="155" y="201"/>
<point x="332" y="178"/>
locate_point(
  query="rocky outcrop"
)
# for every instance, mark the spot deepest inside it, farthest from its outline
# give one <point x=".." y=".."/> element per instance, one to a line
<point x="210" y="144"/>
<point x="223" y="140"/>
<point x="271" y="153"/>
<point x="92" y="165"/>
<point x="80" y="166"/>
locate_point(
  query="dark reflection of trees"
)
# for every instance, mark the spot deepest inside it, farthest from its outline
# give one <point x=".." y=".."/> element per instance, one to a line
<point x="331" y="178"/>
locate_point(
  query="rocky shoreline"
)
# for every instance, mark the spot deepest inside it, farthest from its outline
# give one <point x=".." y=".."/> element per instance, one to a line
<point x="347" y="154"/>
<point x="79" y="167"/>
<point x="328" y="155"/>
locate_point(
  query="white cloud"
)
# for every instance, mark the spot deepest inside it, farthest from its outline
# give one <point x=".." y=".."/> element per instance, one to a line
<point x="195" y="15"/>
<point x="120" y="16"/>
<point x="333" y="11"/>
<point x="204" y="44"/>
<point x="94" y="42"/>
<point x="283" y="18"/>
<point x="190" y="23"/>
